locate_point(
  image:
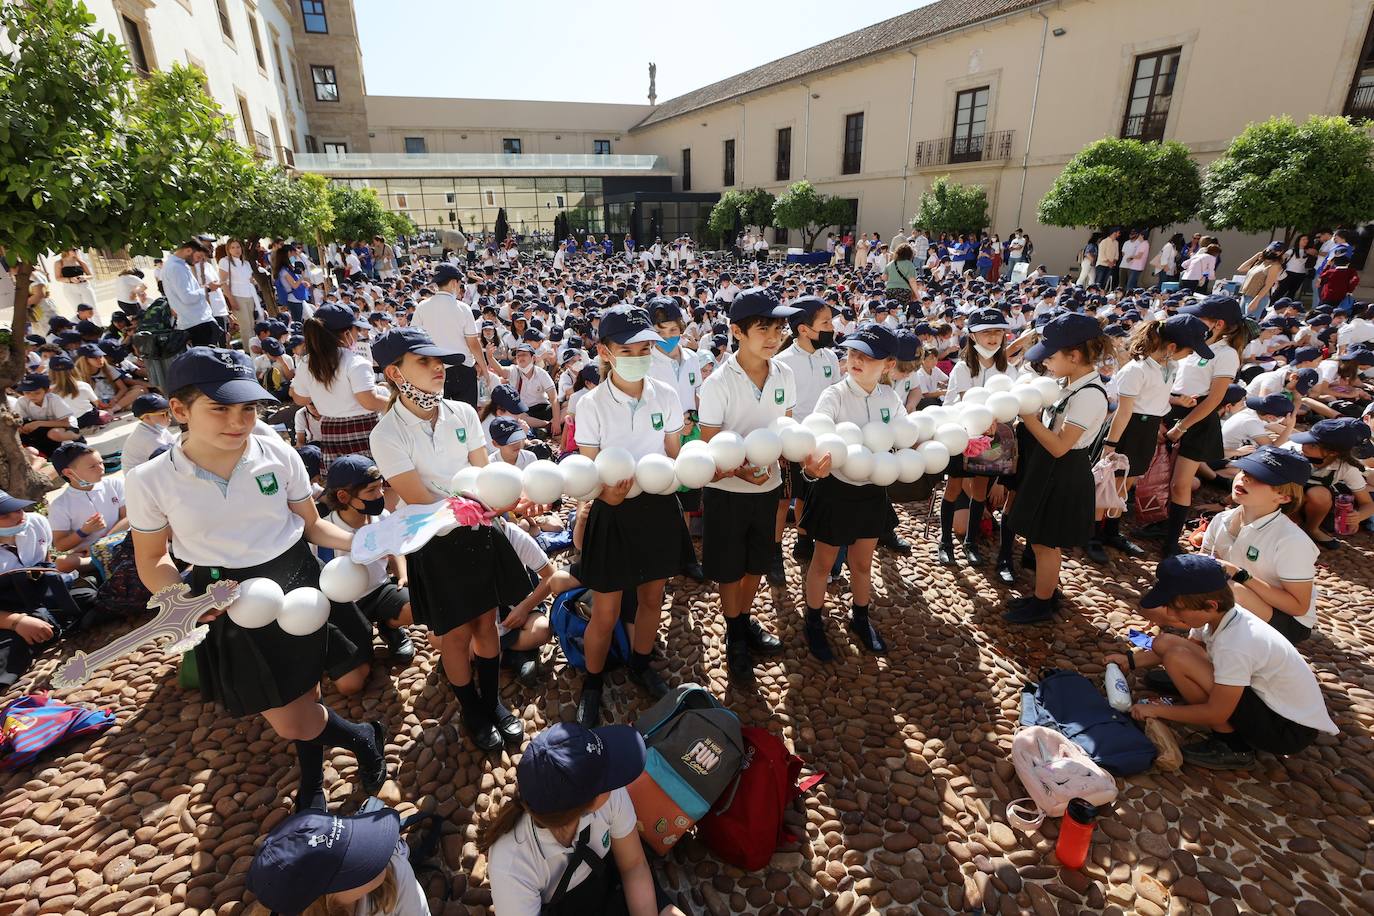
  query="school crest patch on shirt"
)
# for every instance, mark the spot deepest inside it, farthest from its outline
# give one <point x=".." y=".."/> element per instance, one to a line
<point x="267" y="483"/>
<point x="462" y="434"/>
<point x="777" y="395"/>
<point x="1252" y="553"/>
<point x="657" y="420"/>
<point x="1203" y="362"/>
<point x="827" y="370"/>
<point x="885" y="413"/>
<point x="691" y="378"/>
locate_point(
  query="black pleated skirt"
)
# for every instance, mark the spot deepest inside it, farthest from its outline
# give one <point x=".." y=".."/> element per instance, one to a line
<point x="1139" y="441"/>
<point x="459" y="576"/>
<point x="643" y="539"/>
<point x="1056" y="504"/>
<point x="839" y="513"/>
<point x="249" y="670"/>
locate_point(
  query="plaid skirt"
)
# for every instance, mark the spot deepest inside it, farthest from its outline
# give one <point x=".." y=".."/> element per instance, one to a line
<point x="341" y="436"/>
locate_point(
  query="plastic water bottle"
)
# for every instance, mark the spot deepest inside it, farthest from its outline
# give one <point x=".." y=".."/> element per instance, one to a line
<point x="1118" y="691"/>
<point x="1075" y="833"/>
<point x="1345" y="504"/>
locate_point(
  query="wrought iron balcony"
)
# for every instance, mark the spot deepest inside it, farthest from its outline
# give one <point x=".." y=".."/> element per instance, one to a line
<point x="262" y="145"/>
<point x="994" y="146"/>
<point x="1146" y="127"/>
<point x="1361" y="102"/>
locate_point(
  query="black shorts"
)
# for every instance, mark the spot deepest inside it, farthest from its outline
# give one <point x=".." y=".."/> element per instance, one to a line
<point x="1288" y="625"/>
<point x="1138" y="442"/>
<point x="384" y="602"/>
<point x="737" y="536"/>
<point x="1202" y="442"/>
<point x="798" y="487"/>
<point x="1265" y="730"/>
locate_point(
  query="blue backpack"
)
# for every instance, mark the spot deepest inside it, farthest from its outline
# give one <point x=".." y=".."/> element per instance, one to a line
<point x="571" y="611"/>
<point x="1069" y="703"/>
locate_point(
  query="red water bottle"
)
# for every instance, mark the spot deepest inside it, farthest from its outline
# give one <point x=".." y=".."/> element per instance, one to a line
<point x="1075" y="833"/>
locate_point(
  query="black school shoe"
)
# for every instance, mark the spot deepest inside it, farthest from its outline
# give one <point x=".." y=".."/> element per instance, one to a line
<point x="508" y="724"/>
<point x="946" y="554"/>
<point x="589" y="707"/>
<point x="760" y="640"/>
<point x="1125" y="545"/>
<point x="817" y="641"/>
<point x="868" y="635"/>
<point x="1158" y="680"/>
<point x="1215" y="754"/>
<point x="373" y="776"/>
<point x="1005" y="572"/>
<point x="482" y="732"/>
<point x="971" y="555"/>
<point x="398" y="644"/>
<point x="1033" y="611"/>
<point x="739" y="662"/>
<point x="649" y="681"/>
<point x="525" y="664"/>
<point x="895" y="543"/>
<point x="1096" y="552"/>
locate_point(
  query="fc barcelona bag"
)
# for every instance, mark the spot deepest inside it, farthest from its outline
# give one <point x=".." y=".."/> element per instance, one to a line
<point x="695" y="749"/>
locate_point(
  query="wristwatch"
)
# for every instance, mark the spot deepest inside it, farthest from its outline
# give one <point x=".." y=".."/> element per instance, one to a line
<point x="1240" y="576"/>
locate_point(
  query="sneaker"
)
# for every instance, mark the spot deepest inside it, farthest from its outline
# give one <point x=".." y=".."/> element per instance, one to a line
<point x="508" y="725"/>
<point x="1125" y="545"/>
<point x="803" y="548"/>
<point x="895" y="543"/>
<point x="1005" y="573"/>
<point x="1034" y="611"/>
<point x="1096" y="552"/>
<point x="760" y="640"/>
<point x="817" y="642"/>
<point x="739" y="662"/>
<point x="372" y="773"/>
<point x="482" y="732"/>
<point x="1158" y="680"/>
<point x="971" y="555"/>
<point x="398" y="644"/>
<point x="1215" y="754"/>
<point x="946" y="554"/>
<point x="649" y="681"/>
<point x="868" y="635"/>
<point x="589" y="707"/>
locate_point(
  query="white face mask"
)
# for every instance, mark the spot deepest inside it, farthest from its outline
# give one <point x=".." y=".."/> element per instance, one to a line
<point x="631" y="368"/>
<point x="986" y="352"/>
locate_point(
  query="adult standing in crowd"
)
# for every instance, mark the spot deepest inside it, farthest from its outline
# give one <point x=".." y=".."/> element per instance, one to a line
<point x="186" y="296"/>
<point x="236" y="274"/>
<point x="452" y="326"/>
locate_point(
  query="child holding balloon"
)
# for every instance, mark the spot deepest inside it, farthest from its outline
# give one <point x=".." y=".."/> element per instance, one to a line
<point x="635" y="536"/>
<point x="237" y="506"/>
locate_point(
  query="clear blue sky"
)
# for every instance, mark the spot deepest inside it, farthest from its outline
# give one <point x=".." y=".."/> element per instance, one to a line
<point x="589" y="50"/>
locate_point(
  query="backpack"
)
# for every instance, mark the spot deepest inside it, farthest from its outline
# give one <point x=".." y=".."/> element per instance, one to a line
<point x="121" y="592"/>
<point x="158" y="336"/>
<point x="746" y="827"/>
<point x="999" y="457"/>
<point x="569" y="617"/>
<point x="695" y="749"/>
<point x="1070" y="704"/>
<point x="1054" y="771"/>
<point x="31" y="724"/>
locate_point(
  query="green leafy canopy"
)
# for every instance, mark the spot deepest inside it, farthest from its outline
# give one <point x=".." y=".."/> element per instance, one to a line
<point x="801" y="207"/>
<point x="358" y="213"/>
<point x="1115" y="182"/>
<point x="947" y="206"/>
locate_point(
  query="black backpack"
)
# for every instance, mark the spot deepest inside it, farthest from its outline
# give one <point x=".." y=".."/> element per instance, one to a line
<point x="157" y="336"/>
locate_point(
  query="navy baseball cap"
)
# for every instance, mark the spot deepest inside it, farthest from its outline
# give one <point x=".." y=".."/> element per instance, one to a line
<point x="1306" y="354"/>
<point x="988" y="319"/>
<point x="380" y="316"/>
<point x="1307" y="379"/>
<point x="1224" y="308"/>
<point x="85" y="327"/>
<point x="569" y="353"/>
<point x="504" y="431"/>
<point x="664" y="308"/>
<point x="66" y="453"/>
<point x="149" y="403"/>
<point x="224" y="376"/>
<point x="262" y="326"/>
<point x="567" y="766"/>
<point x="61" y="362"/>
<point x="758" y="302"/>
<point x="1234" y="394"/>
<point x="10" y="503"/>
<point x="1184" y="574"/>
<point x="351" y="471"/>
<point x="272" y="347"/>
<point x="1274" y="466"/>
<point x="1065" y="331"/>
<point x="1339" y="432"/>
<point x="315" y="853"/>
<point x="35" y="382"/>
<point x="1270" y="405"/>
<point x="338" y="317"/>
<point x="508" y="399"/>
<point x="89" y="349"/>
<point x="807" y="307"/>
<point x="446" y="273"/>
<point x="1360" y="355"/>
<point x="1187" y="331"/>
<point x="396" y="343"/>
<point x="626" y="324"/>
<point x="872" y="340"/>
<point x="313" y="459"/>
<point x="908" y="347"/>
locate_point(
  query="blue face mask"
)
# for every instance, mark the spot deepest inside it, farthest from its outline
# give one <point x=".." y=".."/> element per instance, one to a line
<point x="13" y="529"/>
<point x="669" y="344"/>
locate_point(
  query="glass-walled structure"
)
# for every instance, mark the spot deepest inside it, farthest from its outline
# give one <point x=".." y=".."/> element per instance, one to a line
<point x="471" y="204"/>
<point x="656" y="214"/>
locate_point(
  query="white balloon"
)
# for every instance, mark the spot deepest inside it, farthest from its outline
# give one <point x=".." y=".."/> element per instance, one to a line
<point x="819" y="424"/>
<point x="543" y="482"/>
<point x="798" y="442"/>
<point x="925" y="426"/>
<point x="999" y="383"/>
<point x="781" y="423"/>
<point x="938" y="414"/>
<point x="695" y="445"/>
<point x="695" y="468"/>
<point x="343" y="581"/>
<point x="905" y="432"/>
<point x="580" y="476"/>
<point x="258" y="603"/>
<point x="635" y="489"/>
<point x="762" y="447"/>
<point x="499" y="485"/>
<point x="1027" y="398"/>
<point x="975" y="395"/>
<point x="304" y="611"/>
<point x="858" y="463"/>
<point x="655" y="474"/>
<point x="911" y="467"/>
<point x="614" y="465"/>
<point x="727" y="449"/>
<point x="1004" y="405"/>
<point x="465" y="481"/>
<point x="976" y="419"/>
<point x="935" y="456"/>
<point x="952" y="436"/>
<point x="878" y="436"/>
<point x="850" y="432"/>
<point x="1049" y="390"/>
<point x="831" y="444"/>
<point x="886" y="469"/>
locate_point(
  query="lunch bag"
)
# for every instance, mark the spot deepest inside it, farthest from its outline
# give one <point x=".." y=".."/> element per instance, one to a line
<point x="1069" y="703"/>
<point x="1054" y="771"/>
<point x="694" y="751"/>
<point x="999" y="458"/>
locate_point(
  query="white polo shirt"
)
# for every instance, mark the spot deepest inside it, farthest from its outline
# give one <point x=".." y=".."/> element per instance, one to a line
<point x="961" y="379"/>
<point x="533" y="388"/>
<point x="1243" y="428"/>
<point x="377" y="574"/>
<point x="449" y="322"/>
<point x="930" y="382"/>
<point x="403" y="442"/>
<point x="608" y="417"/>
<point x="71" y="507"/>
<point x="335" y="399"/>
<point x="1273" y="549"/>
<point x="1087" y="410"/>
<point x="52" y="408"/>
<point x="731" y="401"/>
<point x="1267" y="383"/>
<point x="1247" y="652"/>
<point x="142" y="442"/>
<point x="682" y="375"/>
<point x="814" y="372"/>
<point x="244" y="521"/>
<point x="31" y="544"/>
<point x="526" y="865"/>
<point x="1148" y="382"/>
<point x="847" y="401"/>
<point x="1195" y="374"/>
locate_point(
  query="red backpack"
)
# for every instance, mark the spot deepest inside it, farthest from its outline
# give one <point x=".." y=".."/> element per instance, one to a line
<point x="746" y="827"/>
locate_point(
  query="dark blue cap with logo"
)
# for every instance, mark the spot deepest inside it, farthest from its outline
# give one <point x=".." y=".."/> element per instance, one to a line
<point x="504" y="431"/>
<point x="567" y="766"/>
<point x="149" y="403"/>
<point x="272" y="347"/>
<point x="1274" y="466"/>
<point x="338" y="317"/>
<point x="664" y="308"/>
<point x="61" y="362"/>
<point x="506" y="398"/>
<point x="1068" y="330"/>
<point x="987" y="319"/>
<point x="396" y="343"/>
<point x="63" y="456"/>
<point x="1338" y="433"/>
<point x="315" y="853"/>
<point x="807" y="307"/>
<point x="626" y="324"/>
<point x="1234" y="394"/>
<point x="908" y="347"/>
<point x="446" y="273"/>
<point x="1307" y="380"/>
<point x="758" y="302"/>
<point x="1218" y="307"/>
<point x="351" y="471"/>
<point x="1184" y="574"/>
<point x="1273" y="405"/>
<point x="872" y="340"/>
<point x="1187" y="331"/>
<point x="1306" y="354"/>
<point x="36" y="381"/>
<point x="224" y="376"/>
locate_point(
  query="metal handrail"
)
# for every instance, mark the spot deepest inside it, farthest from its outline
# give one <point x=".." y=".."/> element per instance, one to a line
<point x="992" y="146"/>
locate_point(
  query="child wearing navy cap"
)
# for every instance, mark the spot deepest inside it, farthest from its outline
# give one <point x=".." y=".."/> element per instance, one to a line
<point x="48" y="421"/>
<point x="815" y="367"/>
<point x="153" y="417"/>
<point x="338" y="381"/>
<point x="1330" y="446"/>
<point x="236" y="504"/>
<point x="1236" y="674"/>
<point x="1056" y="499"/>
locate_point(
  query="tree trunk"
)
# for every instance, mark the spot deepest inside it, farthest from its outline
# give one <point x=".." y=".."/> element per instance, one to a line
<point x="324" y="262"/>
<point x="17" y="476"/>
<point x="811" y="237"/>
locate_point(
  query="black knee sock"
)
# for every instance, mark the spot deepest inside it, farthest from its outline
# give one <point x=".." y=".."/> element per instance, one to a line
<point x="487" y="674"/>
<point x="310" y="756"/>
<point x="1111" y="528"/>
<point x="1006" y="544"/>
<point x="975" y="520"/>
<point x="947" y="510"/>
<point x="859" y="611"/>
<point x="468" y="699"/>
<point x="1098" y="531"/>
<point x="591" y="681"/>
<point x="639" y="660"/>
<point x="814" y="615"/>
<point x="737" y="627"/>
<point x="1178" y="517"/>
<point x="357" y="737"/>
